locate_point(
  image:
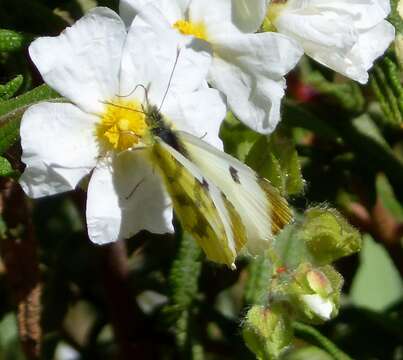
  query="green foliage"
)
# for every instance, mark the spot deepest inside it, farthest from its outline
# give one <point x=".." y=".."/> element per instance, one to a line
<point x="328" y="236"/>
<point x="6" y="170"/>
<point x="387" y="87"/>
<point x="183" y="282"/>
<point x="10" y="89"/>
<point x="276" y="159"/>
<point x="377" y="284"/>
<point x="260" y="271"/>
<point x="13" y="41"/>
<point x="11" y="112"/>
<point x="340" y="146"/>
<point x="267" y="332"/>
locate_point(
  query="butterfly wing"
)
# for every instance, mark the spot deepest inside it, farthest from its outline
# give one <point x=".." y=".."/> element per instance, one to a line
<point x="263" y="211"/>
<point x="201" y="207"/>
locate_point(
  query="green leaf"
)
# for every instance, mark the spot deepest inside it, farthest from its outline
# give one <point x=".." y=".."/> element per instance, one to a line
<point x="260" y="271"/>
<point x="388" y="197"/>
<point x="276" y="159"/>
<point x="289" y="247"/>
<point x="238" y="139"/>
<point x="348" y="95"/>
<point x="6" y="170"/>
<point x="394" y="16"/>
<point x="8" y="90"/>
<point x="308" y="353"/>
<point x="387" y="87"/>
<point x="12" y="110"/>
<point x="13" y="41"/>
<point x="377" y="284"/>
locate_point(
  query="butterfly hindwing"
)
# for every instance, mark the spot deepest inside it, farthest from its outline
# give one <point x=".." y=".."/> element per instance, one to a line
<point x="201" y="207"/>
<point x="263" y="211"/>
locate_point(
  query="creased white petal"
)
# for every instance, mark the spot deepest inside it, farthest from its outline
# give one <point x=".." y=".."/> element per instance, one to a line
<point x="318" y="305"/>
<point x="125" y="198"/>
<point x="199" y="113"/>
<point x="83" y="62"/>
<point x="59" y="148"/>
<point x="344" y="35"/>
<point x="173" y="10"/>
<point x="248" y="15"/>
<point x="249" y="70"/>
<point x="149" y="57"/>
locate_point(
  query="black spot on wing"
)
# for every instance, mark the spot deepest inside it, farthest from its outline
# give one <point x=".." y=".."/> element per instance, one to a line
<point x="234" y="174"/>
<point x="205" y="184"/>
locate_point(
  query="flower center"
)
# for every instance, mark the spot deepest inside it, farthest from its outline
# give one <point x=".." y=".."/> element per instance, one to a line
<point x="189" y="28"/>
<point x="123" y="125"/>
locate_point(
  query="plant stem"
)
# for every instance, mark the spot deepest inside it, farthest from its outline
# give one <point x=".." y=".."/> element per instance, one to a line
<point x="312" y="335"/>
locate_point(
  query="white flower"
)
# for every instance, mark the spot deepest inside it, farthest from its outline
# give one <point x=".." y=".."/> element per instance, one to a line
<point x="96" y="64"/>
<point x="320" y="306"/>
<point x="344" y="35"/>
<point x="247" y="67"/>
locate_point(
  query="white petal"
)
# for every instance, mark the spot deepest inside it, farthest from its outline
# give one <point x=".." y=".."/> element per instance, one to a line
<point x="318" y="305"/>
<point x="199" y="113"/>
<point x="249" y="70"/>
<point x="248" y="15"/>
<point x="125" y="198"/>
<point x="151" y="52"/>
<point x="356" y="62"/>
<point x="83" y="62"/>
<point x="315" y="30"/>
<point x="364" y="14"/>
<point x="173" y="10"/>
<point x="217" y="15"/>
<point x="371" y="45"/>
<point x="59" y="148"/>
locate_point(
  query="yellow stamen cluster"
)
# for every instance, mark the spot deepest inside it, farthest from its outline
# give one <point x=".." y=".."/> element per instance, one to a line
<point x="123" y="125"/>
<point x="188" y="28"/>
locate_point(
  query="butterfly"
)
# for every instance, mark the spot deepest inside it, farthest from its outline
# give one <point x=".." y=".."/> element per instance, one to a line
<point x="221" y="202"/>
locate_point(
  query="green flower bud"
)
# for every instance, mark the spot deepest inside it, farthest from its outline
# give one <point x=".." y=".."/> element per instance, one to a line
<point x="328" y="236"/>
<point x="314" y="293"/>
<point x="267" y="331"/>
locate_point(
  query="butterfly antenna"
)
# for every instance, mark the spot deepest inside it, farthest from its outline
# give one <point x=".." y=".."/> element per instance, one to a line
<point x="134" y="90"/>
<point x="178" y="51"/>
<point x="122" y="107"/>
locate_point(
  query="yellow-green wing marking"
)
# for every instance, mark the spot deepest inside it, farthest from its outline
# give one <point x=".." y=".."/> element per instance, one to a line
<point x="201" y="207"/>
<point x="264" y="212"/>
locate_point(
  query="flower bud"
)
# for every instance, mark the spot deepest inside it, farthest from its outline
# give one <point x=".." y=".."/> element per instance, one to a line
<point x="314" y="293"/>
<point x="267" y="331"/>
<point x="328" y="236"/>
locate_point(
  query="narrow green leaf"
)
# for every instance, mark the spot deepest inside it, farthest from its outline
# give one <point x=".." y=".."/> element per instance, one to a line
<point x="40" y="93"/>
<point x="13" y="41"/>
<point x="9" y="90"/>
<point x="12" y="110"/>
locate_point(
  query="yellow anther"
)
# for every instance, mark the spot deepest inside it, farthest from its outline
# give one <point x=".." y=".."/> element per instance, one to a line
<point x="123" y="125"/>
<point x="188" y="28"/>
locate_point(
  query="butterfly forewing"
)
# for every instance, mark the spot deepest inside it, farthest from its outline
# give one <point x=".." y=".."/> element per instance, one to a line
<point x="201" y="207"/>
<point x="262" y="209"/>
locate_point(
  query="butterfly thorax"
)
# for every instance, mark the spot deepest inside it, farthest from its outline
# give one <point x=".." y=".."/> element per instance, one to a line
<point x="161" y="128"/>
